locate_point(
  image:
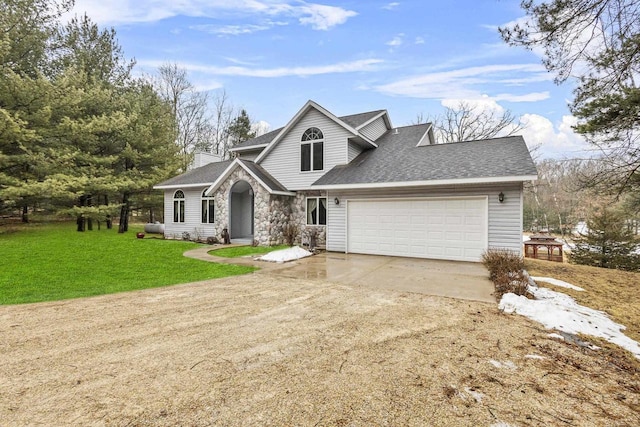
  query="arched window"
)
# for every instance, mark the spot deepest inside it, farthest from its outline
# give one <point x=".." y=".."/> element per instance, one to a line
<point x="312" y="150"/>
<point x="178" y="206"/>
<point x="208" y="210"/>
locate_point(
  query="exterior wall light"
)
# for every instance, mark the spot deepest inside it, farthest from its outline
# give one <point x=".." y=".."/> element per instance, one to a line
<point x="501" y="197"/>
<point x="336" y="201"/>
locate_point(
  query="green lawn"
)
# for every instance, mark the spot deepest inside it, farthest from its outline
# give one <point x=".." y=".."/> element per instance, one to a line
<point x="54" y="262"/>
<point x="238" y="251"/>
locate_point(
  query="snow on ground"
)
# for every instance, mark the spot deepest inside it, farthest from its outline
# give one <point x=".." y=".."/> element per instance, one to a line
<point x="525" y="238"/>
<point x="555" y="310"/>
<point x="556" y="336"/>
<point x="557" y="282"/>
<point x="476" y="395"/>
<point x="284" y="255"/>
<point x="534" y="356"/>
<point x="503" y="365"/>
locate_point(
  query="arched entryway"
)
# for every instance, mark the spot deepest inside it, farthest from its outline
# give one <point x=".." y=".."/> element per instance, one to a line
<point x="241" y="211"/>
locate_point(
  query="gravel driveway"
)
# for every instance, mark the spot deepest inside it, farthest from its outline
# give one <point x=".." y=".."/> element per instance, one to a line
<point x="263" y="350"/>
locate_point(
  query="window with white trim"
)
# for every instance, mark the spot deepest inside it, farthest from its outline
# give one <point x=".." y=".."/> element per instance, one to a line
<point x="312" y="150"/>
<point x="178" y="206"/>
<point x="316" y="211"/>
<point x="208" y="208"/>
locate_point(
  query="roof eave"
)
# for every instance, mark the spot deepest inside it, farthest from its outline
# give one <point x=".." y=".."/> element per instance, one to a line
<point x="383" y="113"/>
<point x="176" y="186"/>
<point x="247" y="148"/>
<point x="428" y="183"/>
<point x="237" y="162"/>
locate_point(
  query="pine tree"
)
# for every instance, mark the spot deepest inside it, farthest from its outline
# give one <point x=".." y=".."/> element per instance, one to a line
<point x="608" y="242"/>
<point x="240" y="129"/>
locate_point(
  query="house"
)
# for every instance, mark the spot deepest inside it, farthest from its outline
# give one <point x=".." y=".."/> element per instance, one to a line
<point x="362" y="186"/>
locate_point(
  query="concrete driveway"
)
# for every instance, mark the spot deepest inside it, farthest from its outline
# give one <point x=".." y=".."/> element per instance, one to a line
<point x="454" y="279"/>
<point x="464" y="280"/>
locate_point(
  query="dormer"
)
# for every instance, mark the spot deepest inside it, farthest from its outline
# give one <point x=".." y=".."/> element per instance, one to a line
<point x="428" y="138"/>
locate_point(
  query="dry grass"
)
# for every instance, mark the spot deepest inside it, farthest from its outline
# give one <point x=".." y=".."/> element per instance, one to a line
<point x="260" y="350"/>
<point x="613" y="291"/>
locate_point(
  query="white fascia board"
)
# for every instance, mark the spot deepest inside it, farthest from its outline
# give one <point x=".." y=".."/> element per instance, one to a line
<point x="176" y="186"/>
<point x="384" y="114"/>
<point x="221" y="178"/>
<point x="310" y="104"/>
<point x="261" y="182"/>
<point x="250" y="147"/>
<point x="426" y="135"/>
<point x="430" y="183"/>
<point x="372" y="119"/>
<point x="230" y="169"/>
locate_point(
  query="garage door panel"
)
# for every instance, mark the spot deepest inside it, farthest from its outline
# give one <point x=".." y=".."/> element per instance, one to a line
<point x="425" y="228"/>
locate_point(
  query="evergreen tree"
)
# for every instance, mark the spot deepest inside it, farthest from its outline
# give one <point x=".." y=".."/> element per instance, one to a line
<point x="597" y="41"/>
<point x="240" y="129"/>
<point x="608" y="242"/>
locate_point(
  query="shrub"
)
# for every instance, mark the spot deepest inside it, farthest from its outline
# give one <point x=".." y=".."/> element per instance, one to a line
<point x="506" y="271"/>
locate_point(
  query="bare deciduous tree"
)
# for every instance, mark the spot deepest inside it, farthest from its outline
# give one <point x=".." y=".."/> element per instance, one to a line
<point x="466" y="122"/>
<point x="189" y="108"/>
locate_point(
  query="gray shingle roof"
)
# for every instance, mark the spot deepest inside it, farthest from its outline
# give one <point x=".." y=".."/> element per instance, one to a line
<point x="353" y="120"/>
<point x="259" y="171"/>
<point x="259" y="140"/>
<point x="206" y="174"/>
<point x="398" y="159"/>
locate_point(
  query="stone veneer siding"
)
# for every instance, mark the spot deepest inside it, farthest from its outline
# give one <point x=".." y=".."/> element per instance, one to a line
<point x="299" y="217"/>
<point x="270" y="212"/>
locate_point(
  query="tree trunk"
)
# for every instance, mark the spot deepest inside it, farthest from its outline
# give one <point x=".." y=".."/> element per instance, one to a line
<point x="25" y="213"/>
<point x="152" y="216"/>
<point x="89" y="219"/>
<point x="124" y="214"/>
<point x="80" y="220"/>
<point x="109" y="221"/>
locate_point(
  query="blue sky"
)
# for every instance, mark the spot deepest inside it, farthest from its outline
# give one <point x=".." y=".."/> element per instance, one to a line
<point x="409" y="57"/>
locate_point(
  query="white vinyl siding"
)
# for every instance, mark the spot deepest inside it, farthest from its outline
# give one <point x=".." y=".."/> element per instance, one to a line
<point x="192" y="215"/>
<point x="283" y="162"/>
<point x="353" y="152"/>
<point x="504" y="219"/>
<point x="375" y="129"/>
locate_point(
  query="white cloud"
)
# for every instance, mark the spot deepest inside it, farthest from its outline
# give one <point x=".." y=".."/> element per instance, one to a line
<point x="340" y="67"/>
<point x="231" y="30"/>
<point x="260" y="127"/>
<point x="318" y="16"/>
<point x="391" y="6"/>
<point x="322" y="17"/>
<point x="466" y="83"/>
<point x="419" y="40"/>
<point x="396" y="41"/>
<point x="554" y="140"/>
<point x="528" y="97"/>
<point x="482" y="103"/>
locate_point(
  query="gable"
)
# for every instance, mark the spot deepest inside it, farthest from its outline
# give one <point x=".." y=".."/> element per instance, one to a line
<point x="283" y="160"/>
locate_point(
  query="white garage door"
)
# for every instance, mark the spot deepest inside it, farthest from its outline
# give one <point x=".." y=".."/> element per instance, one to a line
<point x="454" y="229"/>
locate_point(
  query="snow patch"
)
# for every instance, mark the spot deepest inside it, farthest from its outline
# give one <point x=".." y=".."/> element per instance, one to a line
<point x="284" y="255"/>
<point x="477" y="396"/>
<point x="555" y="310"/>
<point x="534" y="356"/>
<point x="557" y="282"/>
<point x="556" y="336"/>
<point x="503" y="365"/>
<point x="501" y="424"/>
